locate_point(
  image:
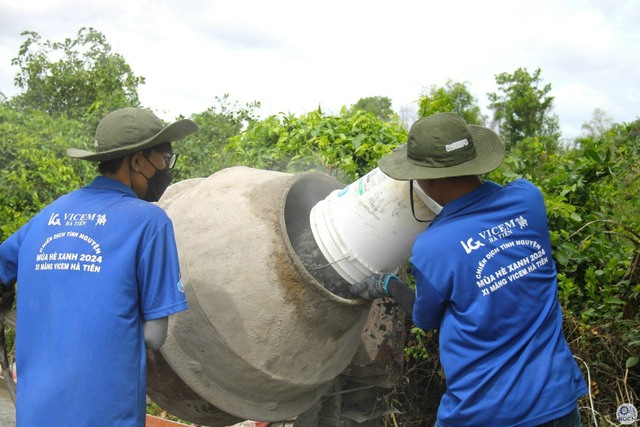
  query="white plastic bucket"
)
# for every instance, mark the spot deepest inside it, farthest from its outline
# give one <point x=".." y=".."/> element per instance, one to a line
<point x="367" y="227"/>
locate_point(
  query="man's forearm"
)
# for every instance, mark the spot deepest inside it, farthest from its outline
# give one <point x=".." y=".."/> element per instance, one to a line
<point x="404" y="295"/>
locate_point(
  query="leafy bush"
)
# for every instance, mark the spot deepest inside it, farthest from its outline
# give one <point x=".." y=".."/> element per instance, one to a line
<point x="591" y="193"/>
<point x="34" y="167"/>
<point x="204" y="153"/>
<point x="346" y="146"/>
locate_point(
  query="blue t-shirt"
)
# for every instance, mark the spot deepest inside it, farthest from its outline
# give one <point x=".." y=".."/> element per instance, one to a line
<point x="486" y="278"/>
<point x="91" y="268"/>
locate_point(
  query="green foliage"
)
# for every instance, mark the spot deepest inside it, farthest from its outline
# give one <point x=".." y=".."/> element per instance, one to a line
<point x="380" y="106"/>
<point x="34" y="167"/>
<point x="79" y="78"/>
<point x="417" y="348"/>
<point x="454" y="98"/>
<point x="522" y="108"/>
<point x="591" y="192"/>
<point x="346" y="146"/>
<point x="203" y="153"/>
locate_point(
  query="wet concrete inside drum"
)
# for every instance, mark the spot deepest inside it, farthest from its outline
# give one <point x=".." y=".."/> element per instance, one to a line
<point x="302" y="197"/>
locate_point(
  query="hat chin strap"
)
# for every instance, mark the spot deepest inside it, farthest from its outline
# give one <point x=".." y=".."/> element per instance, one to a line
<point x="413" y="211"/>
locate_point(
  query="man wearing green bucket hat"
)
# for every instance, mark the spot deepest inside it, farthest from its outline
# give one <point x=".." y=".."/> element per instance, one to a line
<point x="485" y="277"/>
<point x="98" y="277"/>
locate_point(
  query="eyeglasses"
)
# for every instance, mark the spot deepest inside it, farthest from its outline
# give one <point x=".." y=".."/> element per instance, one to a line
<point x="170" y="159"/>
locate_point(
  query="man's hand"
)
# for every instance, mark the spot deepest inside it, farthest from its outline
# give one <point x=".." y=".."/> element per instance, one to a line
<point x="375" y="286"/>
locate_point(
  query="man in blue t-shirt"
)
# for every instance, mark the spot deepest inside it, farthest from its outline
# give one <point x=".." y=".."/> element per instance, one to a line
<point x="485" y="277"/>
<point x="97" y="276"/>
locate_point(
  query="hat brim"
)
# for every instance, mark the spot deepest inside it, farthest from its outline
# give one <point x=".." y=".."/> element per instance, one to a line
<point x="174" y="132"/>
<point x="489" y="155"/>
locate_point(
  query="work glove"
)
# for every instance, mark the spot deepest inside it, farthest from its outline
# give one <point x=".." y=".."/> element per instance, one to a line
<point x="375" y="286"/>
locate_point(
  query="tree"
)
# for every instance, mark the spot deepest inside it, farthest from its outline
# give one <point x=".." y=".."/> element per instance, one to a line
<point x="380" y="106"/>
<point x="598" y="125"/>
<point x="34" y="167"/>
<point x="67" y="87"/>
<point x="408" y="114"/>
<point x="591" y="194"/>
<point x="203" y="153"/>
<point x="80" y="78"/>
<point x="454" y="97"/>
<point x="523" y="109"/>
<point x="346" y="146"/>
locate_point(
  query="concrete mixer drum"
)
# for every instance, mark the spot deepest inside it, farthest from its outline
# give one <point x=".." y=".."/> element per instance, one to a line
<point x="263" y="339"/>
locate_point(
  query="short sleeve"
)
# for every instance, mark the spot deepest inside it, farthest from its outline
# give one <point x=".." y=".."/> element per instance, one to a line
<point x="160" y="285"/>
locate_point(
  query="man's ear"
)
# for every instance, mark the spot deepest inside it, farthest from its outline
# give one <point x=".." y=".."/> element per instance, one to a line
<point x="136" y="159"/>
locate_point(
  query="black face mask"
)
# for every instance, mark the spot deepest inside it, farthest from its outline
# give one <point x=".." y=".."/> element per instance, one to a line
<point x="158" y="183"/>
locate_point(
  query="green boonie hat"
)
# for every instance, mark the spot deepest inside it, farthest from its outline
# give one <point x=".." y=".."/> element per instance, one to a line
<point x="444" y="145"/>
<point x="128" y="130"/>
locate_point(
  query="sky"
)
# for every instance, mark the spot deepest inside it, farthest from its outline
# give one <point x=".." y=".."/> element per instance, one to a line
<point x="294" y="56"/>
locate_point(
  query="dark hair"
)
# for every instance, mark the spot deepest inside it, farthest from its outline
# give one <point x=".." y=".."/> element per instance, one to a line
<point x="164" y="147"/>
<point x="110" y="166"/>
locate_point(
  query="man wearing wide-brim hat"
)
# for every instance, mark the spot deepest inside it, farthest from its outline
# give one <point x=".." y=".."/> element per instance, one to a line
<point x="99" y="275"/>
<point x="137" y="139"/>
<point x="485" y="277"/>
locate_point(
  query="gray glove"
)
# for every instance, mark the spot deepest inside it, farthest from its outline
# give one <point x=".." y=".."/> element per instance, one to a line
<point x="375" y="286"/>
